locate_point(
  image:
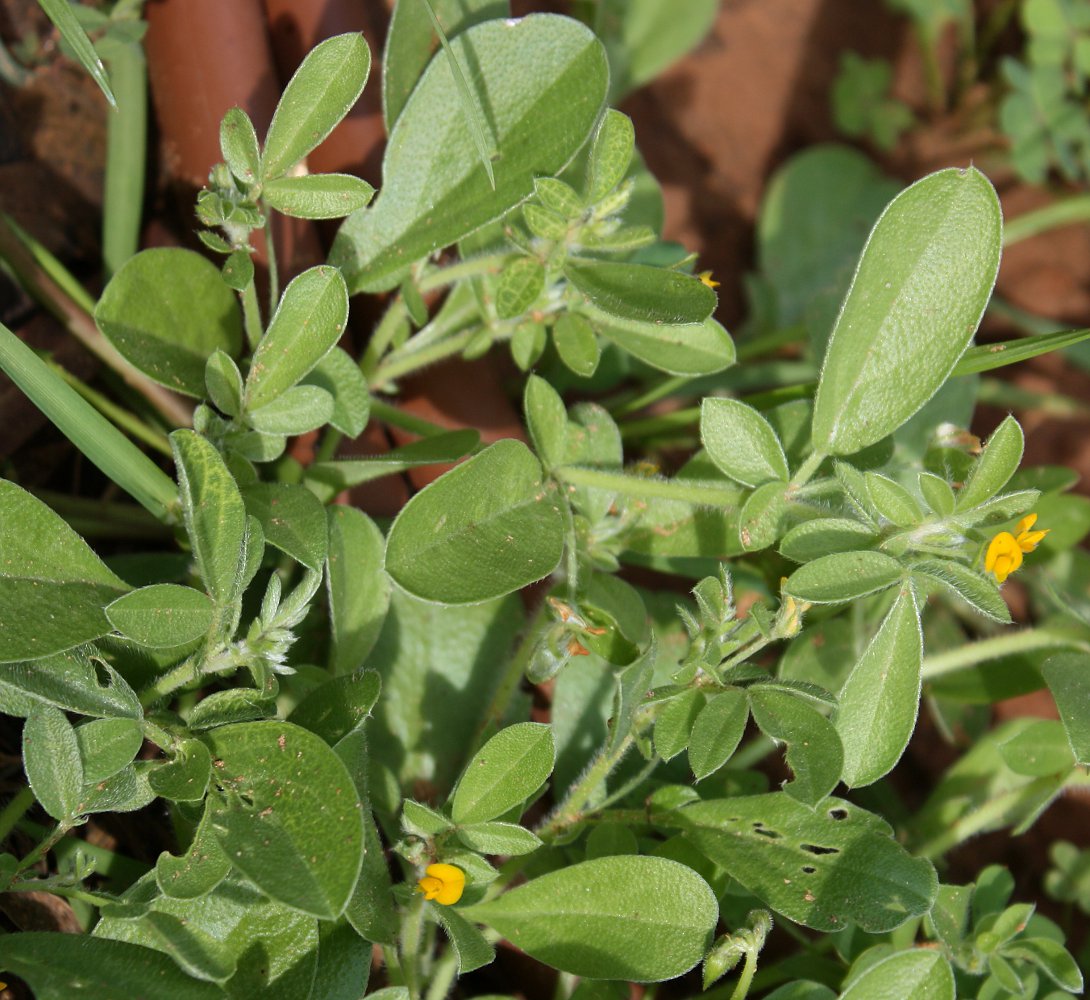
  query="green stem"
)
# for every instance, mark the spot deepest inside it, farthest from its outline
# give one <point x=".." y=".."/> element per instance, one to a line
<point x="570" y="810"/>
<point x="664" y="423"/>
<point x="45" y="846"/>
<point x="187" y="672"/>
<point x="126" y="141"/>
<point x="393" y="320"/>
<point x="412" y="928"/>
<point x="1068" y="212"/>
<point x="645" y="488"/>
<point x="983" y="650"/>
<point x="270" y="254"/>
<point x="15" y="810"/>
<point x="406" y="421"/>
<point x="745" y="980"/>
<point x="665" y="388"/>
<point x="251" y="315"/>
<point x="469" y="268"/>
<point x="807" y="469"/>
<point x="117" y="414"/>
<point x="399" y="365"/>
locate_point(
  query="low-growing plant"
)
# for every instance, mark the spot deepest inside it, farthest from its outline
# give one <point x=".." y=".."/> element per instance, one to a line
<point x="336" y="713"/>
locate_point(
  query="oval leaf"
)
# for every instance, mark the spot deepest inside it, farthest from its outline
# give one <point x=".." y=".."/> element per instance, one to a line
<point x="993" y="469"/>
<point x="918" y="974"/>
<point x="822" y="868"/>
<point x="167" y="311"/>
<point x="917" y="296"/>
<point x="162" y="615"/>
<point x="843" y="576"/>
<point x="52" y="762"/>
<point x="505" y="772"/>
<point x="692" y="349"/>
<point x="292" y="823"/>
<point x="540" y="84"/>
<point x="880" y="698"/>
<point x="357" y="585"/>
<point x="642" y="292"/>
<point x="717" y="732"/>
<point x="641" y="919"/>
<point x="741" y="442"/>
<point x="486" y="528"/>
<point x="307" y="323"/>
<point x="321" y="92"/>
<point x="318" y="196"/>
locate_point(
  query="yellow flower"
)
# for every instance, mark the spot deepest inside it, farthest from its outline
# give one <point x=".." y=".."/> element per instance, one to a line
<point x="443" y="883"/>
<point x="1004" y="554"/>
<point x="706" y="277"/>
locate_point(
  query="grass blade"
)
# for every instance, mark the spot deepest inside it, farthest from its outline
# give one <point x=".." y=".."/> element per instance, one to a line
<point x="60" y="13"/>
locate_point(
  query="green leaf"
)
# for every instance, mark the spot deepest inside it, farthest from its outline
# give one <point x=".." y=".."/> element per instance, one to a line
<point x="53" y="588"/>
<point x="825" y="536"/>
<point x="126" y="791"/>
<point x="992" y="471"/>
<point x="292" y="518"/>
<point x="298" y="832"/>
<point x="334" y="709"/>
<point x="641" y="919"/>
<point x="823" y="868"/>
<point x="51" y="759"/>
<point x="167" y="311"/>
<point x="215" y="517"/>
<point x="1051" y="958"/>
<point x="527" y="344"/>
<point x="200" y="868"/>
<point x="540" y="85"/>
<point x="318" y="196"/>
<point x="814" y="751"/>
<point x="162" y="615"/>
<point x="506" y="771"/>
<point x="843" y="576"/>
<point x="439" y="449"/>
<point x="880" y="698"/>
<point x="691" y="349"/>
<point x="1039" y="750"/>
<point x="937" y="494"/>
<point x="320" y="93"/>
<point x="422" y="820"/>
<point x="741" y="442"/>
<point x="978" y="591"/>
<point x="238" y="143"/>
<point x="470" y="945"/>
<point x="486" y="528"/>
<point x="917" y="974"/>
<point x="643" y="37"/>
<point x="519" y="286"/>
<point x="469" y="642"/>
<point x="641" y="292"/>
<point x="60" y="966"/>
<point x="918" y="294"/>
<point x="892" y="500"/>
<point x="108" y="745"/>
<point x="610" y="154"/>
<point x="70" y="681"/>
<point x="547" y="421"/>
<point x="606" y="840"/>
<point x="411" y="43"/>
<point x="233" y="705"/>
<point x="60" y="12"/>
<point x="577" y="344"/>
<point x="357" y="585"/>
<point x="1066" y="676"/>
<point x="674" y="724"/>
<point x="559" y="197"/>
<point x="544" y="222"/>
<point x="499" y="838"/>
<point x="717" y="732"/>
<point x="341" y="377"/>
<point x="185" y="777"/>
<point x="986" y="357"/>
<point x="98" y="439"/>
<point x="224" y="383"/>
<point x="307" y="323"/>
<point x="297" y="410"/>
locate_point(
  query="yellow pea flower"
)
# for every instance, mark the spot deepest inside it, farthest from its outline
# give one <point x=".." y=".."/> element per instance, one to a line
<point x="443" y="883"/>
<point x="1005" y="551"/>
<point x="706" y="277"/>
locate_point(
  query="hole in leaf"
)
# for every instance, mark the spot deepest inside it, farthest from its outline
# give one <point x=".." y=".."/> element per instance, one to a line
<point x="814" y="849"/>
<point x="838" y="813"/>
<point x="761" y="831"/>
<point x="809" y="869"/>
